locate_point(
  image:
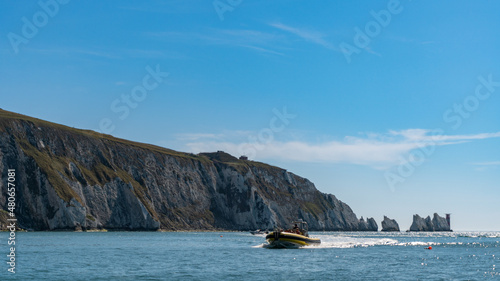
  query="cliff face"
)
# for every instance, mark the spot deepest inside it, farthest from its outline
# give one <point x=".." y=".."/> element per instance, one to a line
<point x="70" y="179"/>
<point x="389" y="225"/>
<point x="436" y="224"/>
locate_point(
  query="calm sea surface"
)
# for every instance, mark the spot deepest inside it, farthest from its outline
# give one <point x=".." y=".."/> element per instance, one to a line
<point x="241" y="256"/>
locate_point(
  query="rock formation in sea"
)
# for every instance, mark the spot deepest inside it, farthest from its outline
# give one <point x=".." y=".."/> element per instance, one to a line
<point x="368" y="225"/>
<point x="437" y="223"/>
<point x="389" y="225"/>
<point x="78" y="179"/>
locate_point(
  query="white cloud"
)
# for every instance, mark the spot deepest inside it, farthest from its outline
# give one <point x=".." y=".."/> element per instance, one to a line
<point x="221" y="137"/>
<point x="197" y="136"/>
<point x="467" y="137"/>
<point x="374" y="150"/>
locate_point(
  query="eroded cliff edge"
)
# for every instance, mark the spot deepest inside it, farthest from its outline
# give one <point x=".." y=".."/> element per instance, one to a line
<point x="70" y="179"/>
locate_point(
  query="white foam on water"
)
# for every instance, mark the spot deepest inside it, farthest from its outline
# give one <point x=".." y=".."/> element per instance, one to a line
<point x="352" y="242"/>
<point x="263" y="245"/>
<point x="418" y="243"/>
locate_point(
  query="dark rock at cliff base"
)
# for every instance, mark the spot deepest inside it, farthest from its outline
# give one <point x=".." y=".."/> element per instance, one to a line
<point x="389" y="225"/>
<point x="437" y="223"/>
<point x="79" y="180"/>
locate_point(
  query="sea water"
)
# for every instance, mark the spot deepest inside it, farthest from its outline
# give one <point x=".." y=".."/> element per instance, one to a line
<point x="241" y="256"/>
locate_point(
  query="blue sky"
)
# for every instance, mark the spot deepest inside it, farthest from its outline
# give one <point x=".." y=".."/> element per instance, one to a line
<point x="389" y="105"/>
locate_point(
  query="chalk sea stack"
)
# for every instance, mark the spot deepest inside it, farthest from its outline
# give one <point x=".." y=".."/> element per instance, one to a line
<point x="437" y="223"/>
<point x="71" y="179"/>
<point x="369" y="225"/>
<point x="389" y="225"/>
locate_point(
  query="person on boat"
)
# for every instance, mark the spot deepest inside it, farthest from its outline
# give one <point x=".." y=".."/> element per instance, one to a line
<point x="296" y="229"/>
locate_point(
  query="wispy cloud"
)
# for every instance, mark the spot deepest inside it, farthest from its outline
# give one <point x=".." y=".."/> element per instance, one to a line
<point x="486" y="166"/>
<point x="492" y="163"/>
<point x="374" y="150"/>
<point x="269" y="42"/>
<point x="308" y="35"/>
<point x="424" y="135"/>
<point x="68" y="51"/>
<point x="198" y="136"/>
<point x="106" y="53"/>
<point x="407" y="40"/>
<point x="260" y="41"/>
<point x="224" y="136"/>
<point x="263" y="50"/>
<point x="168" y="7"/>
<point x="371" y="51"/>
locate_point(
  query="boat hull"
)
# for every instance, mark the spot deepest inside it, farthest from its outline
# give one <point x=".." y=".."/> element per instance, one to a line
<point x="289" y="240"/>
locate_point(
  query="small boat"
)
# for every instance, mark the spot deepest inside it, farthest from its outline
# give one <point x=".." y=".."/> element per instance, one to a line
<point x="259" y="232"/>
<point x="295" y="237"/>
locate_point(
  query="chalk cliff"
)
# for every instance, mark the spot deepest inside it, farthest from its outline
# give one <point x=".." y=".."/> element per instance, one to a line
<point x="389" y="225"/>
<point x="437" y="223"/>
<point x="77" y="179"/>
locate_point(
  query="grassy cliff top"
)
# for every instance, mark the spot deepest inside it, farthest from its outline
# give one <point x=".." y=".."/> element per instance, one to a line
<point x="5" y="116"/>
<point x="219" y="156"/>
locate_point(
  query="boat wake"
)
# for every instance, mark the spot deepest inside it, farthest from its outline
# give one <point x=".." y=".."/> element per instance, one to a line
<point x="368" y="243"/>
<point x="356" y="240"/>
<point x="343" y="242"/>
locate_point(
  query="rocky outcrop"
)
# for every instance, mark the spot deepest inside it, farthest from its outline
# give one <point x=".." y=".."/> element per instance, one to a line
<point x="76" y="179"/>
<point x="389" y="225"/>
<point x="369" y="225"/>
<point x="437" y="223"/>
